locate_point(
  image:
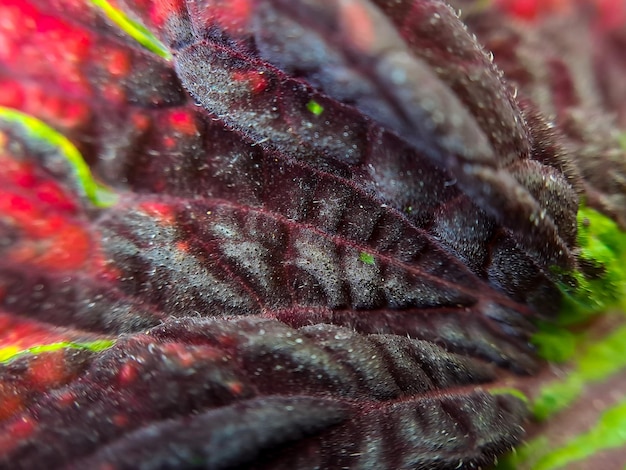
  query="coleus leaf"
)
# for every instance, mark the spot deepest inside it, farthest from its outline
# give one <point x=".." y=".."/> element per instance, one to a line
<point x="373" y="253"/>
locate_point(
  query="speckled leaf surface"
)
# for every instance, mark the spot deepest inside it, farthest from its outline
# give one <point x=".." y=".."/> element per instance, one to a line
<point x="310" y="235"/>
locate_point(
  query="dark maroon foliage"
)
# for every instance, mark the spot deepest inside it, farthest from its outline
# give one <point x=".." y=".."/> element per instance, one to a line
<point x="372" y="268"/>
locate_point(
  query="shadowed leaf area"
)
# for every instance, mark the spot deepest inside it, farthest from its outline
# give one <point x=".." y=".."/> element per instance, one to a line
<point x="273" y="234"/>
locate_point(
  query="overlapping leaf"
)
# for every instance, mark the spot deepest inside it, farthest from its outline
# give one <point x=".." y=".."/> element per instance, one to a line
<point x="574" y="80"/>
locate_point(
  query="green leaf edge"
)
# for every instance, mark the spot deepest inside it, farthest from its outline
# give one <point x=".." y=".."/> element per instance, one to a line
<point x="96" y="193"/>
<point x="601" y="360"/>
<point x="10" y="353"/>
<point x="602" y="244"/>
<point x="134" y="29"/>
<point x="608" y="432"/>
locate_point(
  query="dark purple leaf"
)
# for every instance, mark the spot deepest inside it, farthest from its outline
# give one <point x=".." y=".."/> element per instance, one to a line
<point x="329" y="261"/>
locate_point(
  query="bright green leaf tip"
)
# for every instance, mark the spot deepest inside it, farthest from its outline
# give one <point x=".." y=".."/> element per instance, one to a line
<point x="510" y="391"/>
<point x="600" y="360"/>
<point x="554" y="343"/>
<point x="134" y="29"/>
<point x="99" y="195"/>
<point x="602" y="244"/>
<point x="10" y="353"/>
<point x="609" y="432"/>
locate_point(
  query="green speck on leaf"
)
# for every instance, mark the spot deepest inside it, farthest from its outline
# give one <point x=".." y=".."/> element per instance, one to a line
<point x="134" y="29"/>
<point x="10" y="353"/>
<point x="314" y="107"/>
<point x="99" y="195"/>
<point x="366" y="258"/>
